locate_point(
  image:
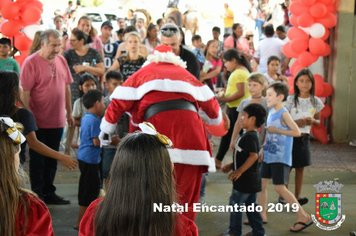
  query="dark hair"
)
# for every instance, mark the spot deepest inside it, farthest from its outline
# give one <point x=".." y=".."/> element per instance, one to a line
<point x="9" y="92"/>
<point x="159" y="21"/>
<point x="84" y="78"/>
<point x="196" y="37"/>
<point x="129" y="29"/>
<point x="116" y="75"/>
<point x="91" y="97"/>
<point x="131" y="10"/>
<point x="231" y="54"/>
<point x="216" y="29"/>
<point x="269" y="30"/>
<point x="296" y="89"/>
<point x="226" y="35"/>
<point x="120" y="31"/>
<point x="70" y="2"/>
<point x="234" y="27"/>
<point x="119" y="18"/>
<point x="80" y="35"/>
<point x="207" y="46"/>
<point x="280" y="88"/>
<point x="273" y="58"/>
<point x="283" y="6"/>
<point x="5" y="41"/>
<point x="258" y="111"/>
<point x="140" y="176"/>
<point x="281" y="28"/>
<point x="150" y="27"/>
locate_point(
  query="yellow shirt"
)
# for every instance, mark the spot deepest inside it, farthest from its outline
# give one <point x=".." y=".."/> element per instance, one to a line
<point x="237" y="76"/>
<point x="228" y="22"/>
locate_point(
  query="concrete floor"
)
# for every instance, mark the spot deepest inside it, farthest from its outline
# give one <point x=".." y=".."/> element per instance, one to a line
<point x="330" y="162"/>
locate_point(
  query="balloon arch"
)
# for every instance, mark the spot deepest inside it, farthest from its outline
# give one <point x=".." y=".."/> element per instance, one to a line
<point x="312" y="20"/>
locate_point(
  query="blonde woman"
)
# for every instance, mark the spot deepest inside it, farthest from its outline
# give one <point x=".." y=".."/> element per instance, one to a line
<point x="36" y="43"/>
<point x="132" y="60"/>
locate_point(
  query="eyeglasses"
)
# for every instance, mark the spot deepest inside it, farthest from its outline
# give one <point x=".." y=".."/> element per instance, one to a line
<point x="73" y="40"/>
<point x="169" y="31"/>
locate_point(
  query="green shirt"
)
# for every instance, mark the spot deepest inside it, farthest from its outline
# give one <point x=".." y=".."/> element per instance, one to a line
<point x="9" y="64"/>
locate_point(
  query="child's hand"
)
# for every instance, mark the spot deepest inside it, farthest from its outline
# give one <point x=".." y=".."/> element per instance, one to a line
<point x="301" y="122"/>
<point x="271" y="129"/>
<point x="69" y="162"/>
<point x="227" y="168"/>
<point x="234" y="175"/>
<point x="309" y="121"/>
<point x="115" y="140"/>
<point x="217" y="164"/>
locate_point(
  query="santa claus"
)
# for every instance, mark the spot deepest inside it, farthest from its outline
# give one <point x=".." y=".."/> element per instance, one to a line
<point x="165" y="94"/>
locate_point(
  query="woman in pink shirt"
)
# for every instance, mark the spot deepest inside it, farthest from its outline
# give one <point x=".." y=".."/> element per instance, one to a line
<point x="238" y="41"/>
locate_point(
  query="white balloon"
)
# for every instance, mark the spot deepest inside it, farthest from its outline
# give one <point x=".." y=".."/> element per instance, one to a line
<point x="323" y="99"/>
<point x="306" y="29"/>
<point x="317" y="30"/>
<point x="30" y="30"/>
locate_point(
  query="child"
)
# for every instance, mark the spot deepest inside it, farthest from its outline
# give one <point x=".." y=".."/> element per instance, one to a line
<point x="216" y="35"/>
<point x="89" y="151"/>
<point x="277" y="153"/>
<point x="6" y="62"/>
<point x="305" y="111"/>
<point x="140" y="28"/>
<point x="236" y="91"/>
<point x="113" y="80"/>
<point x="9" y="97"/>
<point x="210" y="77"/>
<point x="256" y="86"/>
<point x="141" y="176"/>
<point x="272" y="75"/>
<point x="22" y="213"/>
<point x="86" y="83"/>
<point x="246" y="176"/>
<point x="197" y="48"/>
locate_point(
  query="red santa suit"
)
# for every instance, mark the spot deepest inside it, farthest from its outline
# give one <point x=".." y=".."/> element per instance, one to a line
<point x="164" y="78"/>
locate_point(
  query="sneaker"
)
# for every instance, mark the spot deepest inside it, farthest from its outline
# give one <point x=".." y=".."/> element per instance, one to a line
<point x="202" y="201"/>
<point x="281" y="200"/>
<point x="54" y="199"/>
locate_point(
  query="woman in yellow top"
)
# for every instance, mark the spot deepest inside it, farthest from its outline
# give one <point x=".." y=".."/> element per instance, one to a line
<point x="236" y="91"/>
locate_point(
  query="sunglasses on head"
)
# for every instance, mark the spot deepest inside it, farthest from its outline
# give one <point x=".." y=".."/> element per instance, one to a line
<point x="169" y="31"/>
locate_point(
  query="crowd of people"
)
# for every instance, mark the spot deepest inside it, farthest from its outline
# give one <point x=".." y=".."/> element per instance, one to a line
<point x="116" y="92"/>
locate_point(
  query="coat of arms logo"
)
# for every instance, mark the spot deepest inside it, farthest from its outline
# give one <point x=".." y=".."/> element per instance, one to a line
<point x="328" y="206"/>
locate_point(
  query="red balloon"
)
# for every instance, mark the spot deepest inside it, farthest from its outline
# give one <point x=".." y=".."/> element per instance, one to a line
<point x="305" y="20"/>
<point x="325" y="112"/>
<point x="293" y="20"/>
<point x="287" y="51"/>
<point x="326" y="35"/>
<point x="36" y="4"/>
<point x="305" y="59"/>
<point x="217" y="130"/>
<point x="31" y="15"/>
<point x="294" y="65"/>
<point x="326" y="2"/>
<point x="320" y="133"/>
<point x="291" y="81"/>
<point x="10" y="10"/>
<point x="316" y="46"/>
<point x="295" y="32"/>
<point x="307" y="2"/>
<point x="318" y="79"/>
<point x="20" y="59"/>
<point x="4" y="2"/>
<point x="328" y="90"/>
<point x="23" y="43"/>
<point x="319" y="89"/>
<point x="291" y="90"/>
<point x="296" y="8"/>
<point x="329" y="20"/>
<point x="331" y="8"/>
<point x="318" y="10"/>
<point x="11" y="28"/>
<point x="297" y="69"/>
<point x="326" y="51"/>
<point x="298" y="45"/>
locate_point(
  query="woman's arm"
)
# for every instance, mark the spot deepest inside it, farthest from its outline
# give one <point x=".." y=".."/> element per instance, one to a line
<point x="44" y="150"/>
<point x="98" y="70"/>
<point x="239" y="94"/>
<point x="119" y="49"/>
<point x="115" y="66"/>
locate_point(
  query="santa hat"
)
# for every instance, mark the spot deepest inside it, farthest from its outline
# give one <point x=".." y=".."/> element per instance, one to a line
<point x="164" y="53"/>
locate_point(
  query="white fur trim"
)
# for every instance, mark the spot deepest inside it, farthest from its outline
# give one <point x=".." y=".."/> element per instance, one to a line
<point x="169" y="57"/>
<point x="200" y="93"/>
<point x="209" y="120"/>
<point x="106" y="126"/>
<point x="192" y="157"/>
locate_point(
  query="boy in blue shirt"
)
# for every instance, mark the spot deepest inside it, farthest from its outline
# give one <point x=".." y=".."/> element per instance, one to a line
<point x="246" y="176"/>
<point x="89" y="151"/>
<point x="277" y="153"/>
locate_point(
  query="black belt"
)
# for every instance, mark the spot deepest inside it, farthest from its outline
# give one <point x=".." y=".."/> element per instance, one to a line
<point x="178" y="104"/>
